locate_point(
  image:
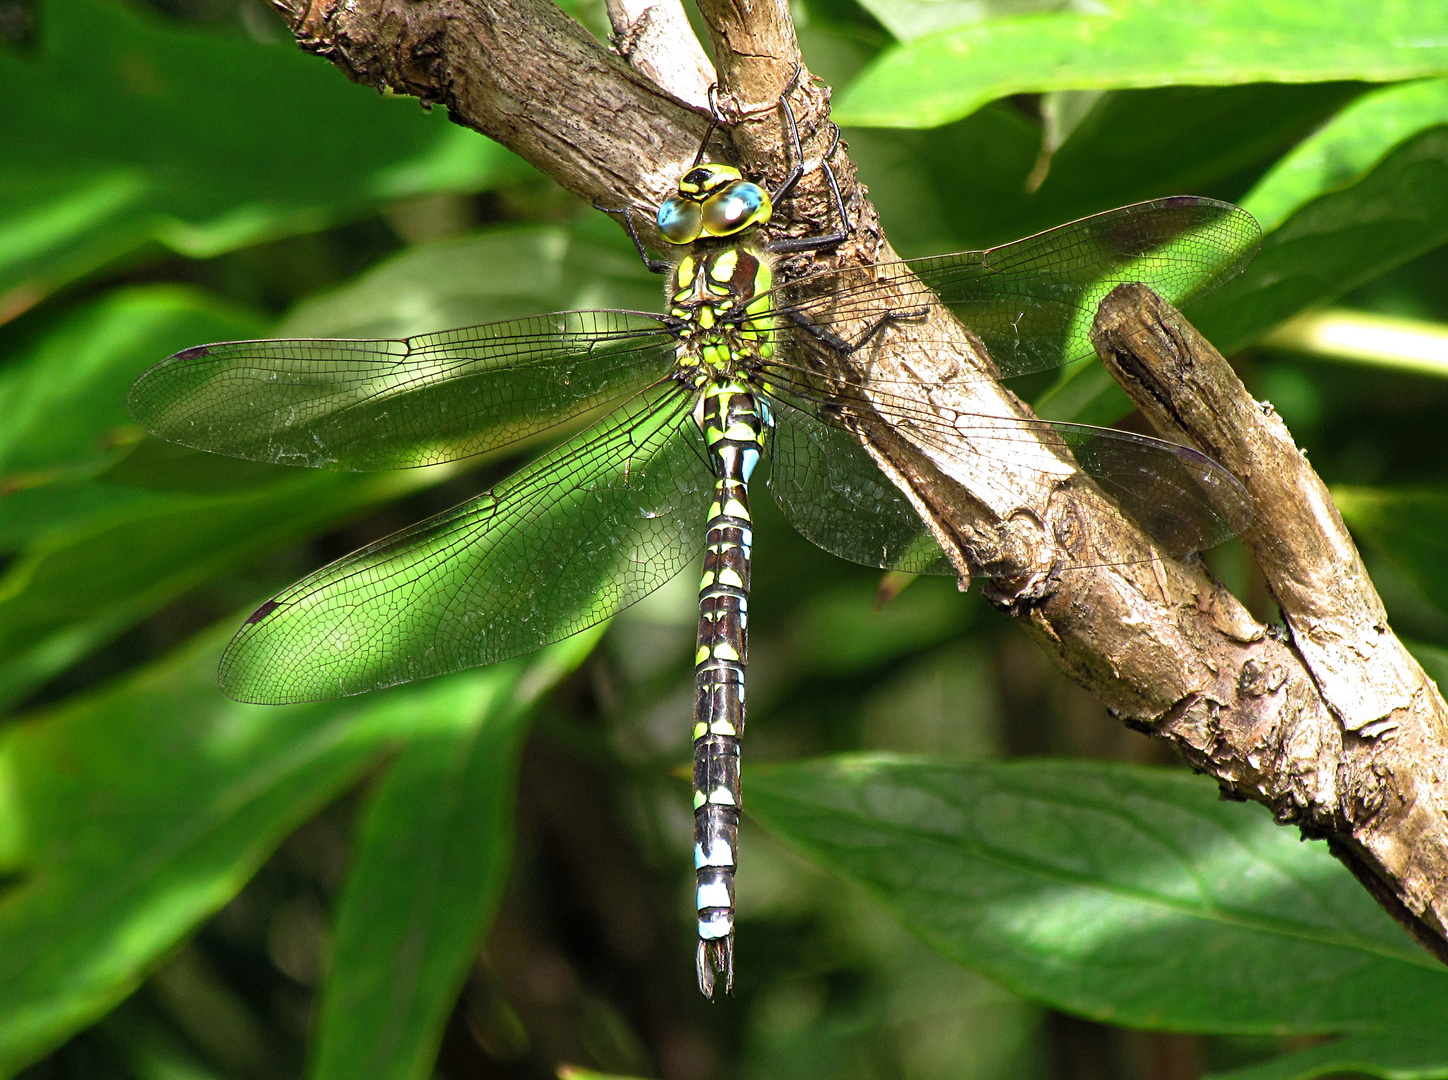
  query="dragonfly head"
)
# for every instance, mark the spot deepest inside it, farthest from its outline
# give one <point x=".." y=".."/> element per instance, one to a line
<point x="713" y="201"/>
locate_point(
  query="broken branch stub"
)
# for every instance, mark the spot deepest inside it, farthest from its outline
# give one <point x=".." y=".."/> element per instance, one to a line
<point x="1342" y="732"/>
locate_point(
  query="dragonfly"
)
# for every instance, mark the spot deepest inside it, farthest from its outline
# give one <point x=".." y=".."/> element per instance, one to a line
<point x="739" y="368"/>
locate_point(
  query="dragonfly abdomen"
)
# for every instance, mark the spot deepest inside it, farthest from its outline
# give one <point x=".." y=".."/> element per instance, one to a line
<point x="734" y="424"/>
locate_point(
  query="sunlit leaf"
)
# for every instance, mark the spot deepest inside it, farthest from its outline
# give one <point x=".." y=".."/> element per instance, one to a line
<point x="70" y="593"/>
<point x="134" y="812"/>
<point x="62" y="403"/>
<point x="970" y="184"/>
<point x="1384" y="341"/>
<point x="1407" y="528"/>
<point x="1124" y="894"/>
<point x="1346" y="149"/>
<point x="1135" y="43"/>
<point x="431" y="858"/>
<point x="1400" y="1056"/>
<point x="573" y="1072"/>
<point x="1337" y="241"/>
<point x="910" y="19"/>
<point x="121" y="129"/>
<point x="499" y="274"/>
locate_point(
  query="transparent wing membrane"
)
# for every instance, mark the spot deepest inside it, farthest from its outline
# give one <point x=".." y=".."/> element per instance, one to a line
<point x="567" y="541"/>
<point x="592" y="526"/>
<point x="837" y="498"/>
<point x="1031" y="302"/>
<point x="364" y="405"/>
<point x="437" y="397"/>
<point x="1181" y="498"/>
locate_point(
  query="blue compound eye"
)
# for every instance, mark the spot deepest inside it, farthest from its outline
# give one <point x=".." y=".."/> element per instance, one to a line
<point x="736" y="207"/>
<point x="680" y="221"/>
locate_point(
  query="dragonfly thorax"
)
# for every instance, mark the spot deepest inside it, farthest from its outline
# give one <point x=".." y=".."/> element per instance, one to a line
<point x="720" y="301"/>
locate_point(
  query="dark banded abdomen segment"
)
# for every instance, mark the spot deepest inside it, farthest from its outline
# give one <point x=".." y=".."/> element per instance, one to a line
<point x="733" y="431"/>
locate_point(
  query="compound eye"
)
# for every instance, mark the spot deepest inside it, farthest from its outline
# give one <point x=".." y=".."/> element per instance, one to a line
<point x="680" y="221"/>
<point x="736" y="207"/>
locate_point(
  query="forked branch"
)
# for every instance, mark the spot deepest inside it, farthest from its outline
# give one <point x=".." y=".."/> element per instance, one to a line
<point x="1337" y="730"/>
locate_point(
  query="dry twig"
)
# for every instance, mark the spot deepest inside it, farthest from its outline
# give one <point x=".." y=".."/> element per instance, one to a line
<point x="1337" y="729"/>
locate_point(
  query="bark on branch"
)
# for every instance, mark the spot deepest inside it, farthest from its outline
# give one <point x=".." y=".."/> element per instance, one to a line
<point x="1338" y="730"/>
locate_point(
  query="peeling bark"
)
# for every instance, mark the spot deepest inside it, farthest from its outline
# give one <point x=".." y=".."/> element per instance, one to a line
<point x="1338" y="730"/>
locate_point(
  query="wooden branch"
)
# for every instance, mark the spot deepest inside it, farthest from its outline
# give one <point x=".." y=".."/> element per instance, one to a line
<point x="755" y="45"/>
<point x="655" y="37"/>
<point x="758" y="54"/>
<point x="1339" y="730"/>
<point x="522" y="73"/>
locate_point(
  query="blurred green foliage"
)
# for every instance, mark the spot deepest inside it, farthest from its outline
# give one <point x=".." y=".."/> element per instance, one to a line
<point x="489" y="874"/>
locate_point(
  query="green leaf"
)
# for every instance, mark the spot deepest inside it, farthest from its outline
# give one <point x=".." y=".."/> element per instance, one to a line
<point x="1336" y="242"/>
<point x="1433" y="659"/>
<point x="1138" y="43"/>
<point x="1362" y="337"/>
<point x="72" y="591"/>
<point x="499" y="274"/>
<point x="1171" y="140"/>
<point x="1406" y="528"/>
<point x="123" y="129"/>
<point x="1346" y="149"/>
<point x="62" y="401"/>
<point x="968" y="185"/>
<point x="152" y="1049"/>
<point x="910" y="19"/>
<point x="1129" y="895"/>
<point x="431" y="859"/>
<point x="1401" y="1056"/>
<point x="961" y="187"/>
<point x="833" y="633"/>
<point x="135" y="812"/>
<point x="1086" y="394"/>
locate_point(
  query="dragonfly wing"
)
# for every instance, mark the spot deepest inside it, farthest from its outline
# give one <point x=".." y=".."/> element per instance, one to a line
<point x="392" y="404"/>
<point x="836" y="497"/>
<point x="1180" y="497"/>
<point x="826" y="484"/>
<point x="564" y="543"/>
<point x="1031" y="302"/>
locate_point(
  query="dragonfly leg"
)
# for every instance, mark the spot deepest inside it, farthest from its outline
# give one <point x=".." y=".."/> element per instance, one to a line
<point x="796" y="172"/>
<point x="720" y="120"/>
<point x="716" y="121"/>
<point x="791" y="133"/>
<point x="657" y="266"/>
<point x="827" y="337"/>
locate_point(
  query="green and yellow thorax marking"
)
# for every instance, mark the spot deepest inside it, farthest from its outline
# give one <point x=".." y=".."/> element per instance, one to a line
<point x="721" y="298"/>
<point x="718" y="293"/>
